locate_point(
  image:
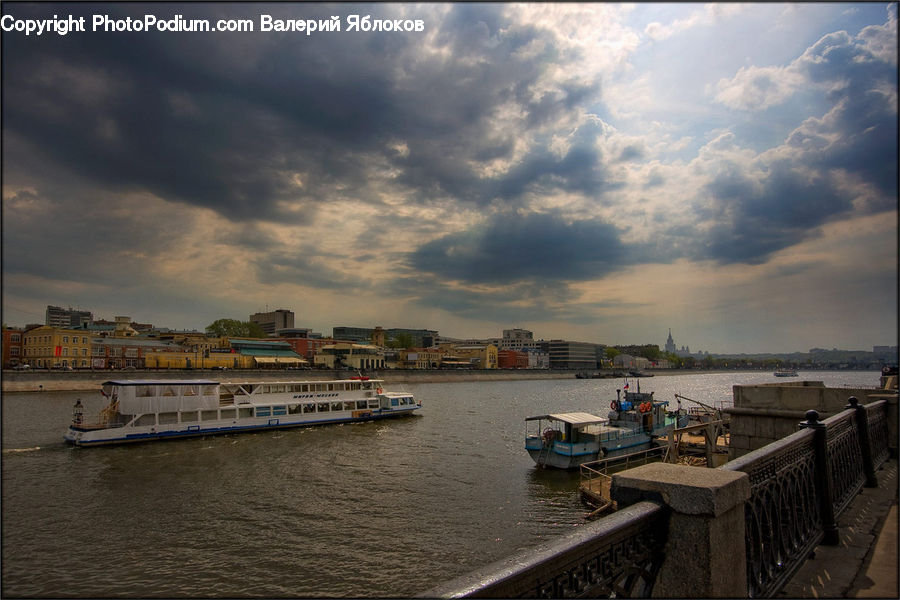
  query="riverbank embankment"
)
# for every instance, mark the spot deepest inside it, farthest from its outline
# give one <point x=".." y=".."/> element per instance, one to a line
<point x="76" y="381"/>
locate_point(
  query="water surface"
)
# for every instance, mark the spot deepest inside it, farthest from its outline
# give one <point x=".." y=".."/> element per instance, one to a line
<point x="388" y="508"/>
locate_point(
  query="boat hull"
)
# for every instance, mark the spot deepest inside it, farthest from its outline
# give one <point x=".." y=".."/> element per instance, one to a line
<point x="571" y="456"/>
<point x="87" y="436"/>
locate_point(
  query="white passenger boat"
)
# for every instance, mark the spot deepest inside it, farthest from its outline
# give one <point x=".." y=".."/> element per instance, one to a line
<point x="143" y="410"/>
<point x="567" y="440"/>
<point x="786" y="373"/>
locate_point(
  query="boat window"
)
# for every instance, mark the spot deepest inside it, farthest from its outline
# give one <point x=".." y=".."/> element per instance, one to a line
<point x="245" y="413"/>
<point x="349" y="405"/>
<point x="294" y="408"/>
<point x="188" y="416"/>
<point x="227" y="413"/>
<point x="304" y="387"/>
<point x="360" y="404"/>
<point x="190" y="390"/>
<point x="318" y="387"/>
<point x="168" y="391"/>
<point x="209" y="390"/>
<point x="209" y="415"/>
<point x="309" y="408"/>
<point x="145" y="391"/>
<point x="373" y="403"/>
<point x="279" y="410"/>
<point x="336" y="406"/>
<point x="266" y="389"/>
<point x="394" y="402"/>
<point x="145" y="420"/>
<point x="277" y="389"/>
<point x="263" y="411"/>
<point x="354" y="385"/>
<point x="167" y="418"/>
<point x="330" y="387"/>
<point x="322" y="407"/>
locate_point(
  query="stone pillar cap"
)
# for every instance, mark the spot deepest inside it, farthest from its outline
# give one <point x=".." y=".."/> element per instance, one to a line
<point x="687" y="490"/>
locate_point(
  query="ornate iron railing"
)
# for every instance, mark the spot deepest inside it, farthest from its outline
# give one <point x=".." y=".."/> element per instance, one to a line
<point x="844" y="459"/>
<point x="801" y="483"/>
<point x="877" y="421"/>
<point x="619" y="555"/>
<point x="782" y="522"/>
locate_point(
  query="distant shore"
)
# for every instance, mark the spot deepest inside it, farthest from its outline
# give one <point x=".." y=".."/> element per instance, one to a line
<point x="74" y="381"/>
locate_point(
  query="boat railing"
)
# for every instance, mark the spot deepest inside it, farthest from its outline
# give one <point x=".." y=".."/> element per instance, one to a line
<point x="622" y="462"/>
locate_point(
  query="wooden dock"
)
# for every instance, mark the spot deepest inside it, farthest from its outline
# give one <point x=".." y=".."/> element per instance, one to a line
<point x="703" y="444"/>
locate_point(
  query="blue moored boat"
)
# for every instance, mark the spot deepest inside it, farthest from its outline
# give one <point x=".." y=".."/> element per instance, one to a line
<point x="567" y="440"/>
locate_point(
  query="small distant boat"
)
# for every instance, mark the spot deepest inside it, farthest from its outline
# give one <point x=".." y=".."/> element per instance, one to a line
<point x="567" y="440"/>
<point x="786" y="373"/>
<point x="145" y="410"/>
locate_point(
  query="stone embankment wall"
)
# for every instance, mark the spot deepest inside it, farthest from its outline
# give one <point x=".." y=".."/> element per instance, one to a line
<point x="767" y="412"/>
<point x="48" y="381"/>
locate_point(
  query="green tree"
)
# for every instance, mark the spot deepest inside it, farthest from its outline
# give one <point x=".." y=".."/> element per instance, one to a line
<point x="611" y="353"/>
<point x="401" y="341"/>
<point x="234" y="328"/>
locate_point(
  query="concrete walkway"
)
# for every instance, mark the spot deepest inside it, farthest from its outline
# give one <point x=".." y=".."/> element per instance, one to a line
<point x="865" y="562"/>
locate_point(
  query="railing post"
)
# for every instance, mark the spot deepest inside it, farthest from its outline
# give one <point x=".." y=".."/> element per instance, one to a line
<point x="862" y="428"/>
<point x="823" y="477"/>
<point x="705" y="553"/>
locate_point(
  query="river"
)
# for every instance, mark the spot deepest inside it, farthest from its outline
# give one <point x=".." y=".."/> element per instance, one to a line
<point x="388" y="508"/>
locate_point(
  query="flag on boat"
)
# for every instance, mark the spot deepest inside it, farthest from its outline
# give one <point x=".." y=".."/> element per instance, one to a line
<point x="626" y="385"/>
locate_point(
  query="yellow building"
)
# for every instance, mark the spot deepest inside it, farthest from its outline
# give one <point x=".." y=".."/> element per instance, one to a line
<point x="421" y="358"/>
<point x="49" y="347"/>
<point x="197" y="360"/>
<point x="347" y="355"/>
<point x="484" y="357"/>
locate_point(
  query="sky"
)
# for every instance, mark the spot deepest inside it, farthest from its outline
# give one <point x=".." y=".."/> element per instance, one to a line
<point x="591" y="172"/>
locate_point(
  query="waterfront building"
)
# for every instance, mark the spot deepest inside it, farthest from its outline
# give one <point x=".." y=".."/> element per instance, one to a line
<point x="565" y="354"/>
<point x="516" y="339"/>
<point x="420" y="358"/>
<point x="270" y="322"/>
<point x="111" y="352"/>
<point x="307" y="347"/>
<point x="56" y="316"/>
<point x="512" y="359"/>
<point x="347" y="355"/>
<point x="481" y="356"/>
<point x="53" y="347"/>
<point x="537" y="359"/>
<point x="12" y="346"/>
<point x="267" y="353"/>
<point x="627" y="361"/>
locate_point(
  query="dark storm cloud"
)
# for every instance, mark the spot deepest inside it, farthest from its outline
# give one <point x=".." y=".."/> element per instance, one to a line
<point x="225" y="121"/>
<point x="512" y="247"/>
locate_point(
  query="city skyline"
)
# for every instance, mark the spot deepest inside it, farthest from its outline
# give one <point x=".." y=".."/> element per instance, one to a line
<point x="598" y="172"/>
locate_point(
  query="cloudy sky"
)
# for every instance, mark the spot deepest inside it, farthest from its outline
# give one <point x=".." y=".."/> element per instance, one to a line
<point x="596" y="172"/>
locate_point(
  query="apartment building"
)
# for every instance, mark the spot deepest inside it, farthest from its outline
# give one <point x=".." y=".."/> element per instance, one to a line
<point x="565" y="354"/>
<point x="270" y="322"/>
<point x="53" y="347"/>
<point x="12" y="346"/>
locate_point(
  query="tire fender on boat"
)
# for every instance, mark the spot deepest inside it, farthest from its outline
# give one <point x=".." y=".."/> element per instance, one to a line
<point x="614" y="405"/>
